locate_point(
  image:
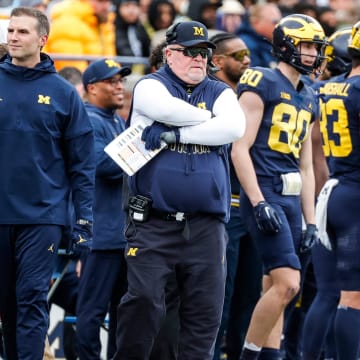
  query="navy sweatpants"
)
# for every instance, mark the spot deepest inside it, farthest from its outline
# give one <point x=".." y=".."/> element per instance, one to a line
<point x="27" y="259"/>
<point x="102" y="284"/>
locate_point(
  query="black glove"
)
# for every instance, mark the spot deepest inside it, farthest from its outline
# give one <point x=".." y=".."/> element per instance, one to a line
<point x="309" y="239"/>
<point x="81" y="238"/>
<point x="267" y="219"/>
<point x="151" y="135"/>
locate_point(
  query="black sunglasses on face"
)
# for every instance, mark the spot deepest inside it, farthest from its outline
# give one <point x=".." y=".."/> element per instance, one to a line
<point x="193" y="52"/>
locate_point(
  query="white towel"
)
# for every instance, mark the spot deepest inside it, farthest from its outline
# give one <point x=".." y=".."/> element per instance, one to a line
<point x="321" y="212"/>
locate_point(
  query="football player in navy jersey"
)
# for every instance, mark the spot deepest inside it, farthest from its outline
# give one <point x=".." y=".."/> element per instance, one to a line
<point x="273" y="162"/>
<point x="319" y="318"/>
<point x="339" y="126"/>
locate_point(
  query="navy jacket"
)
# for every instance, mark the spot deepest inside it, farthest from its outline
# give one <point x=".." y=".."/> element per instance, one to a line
<point x="109" y="217"/>
<point x="46" y="147"/>
<point x="187" y="178"/>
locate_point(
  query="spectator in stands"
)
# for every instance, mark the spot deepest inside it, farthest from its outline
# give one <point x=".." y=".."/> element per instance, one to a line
<point x="304" y="8"/>
<point x="37" y="4"/>
<point x="229" y="16"/>
<point x="204" y="11"/>
<point x="131" y="36"/>
<point x="81" y="27"/>
<point x="161" y="15"/>
<point x="181" y="6"/>
<point x="327" y="18"/>
<point x="144" y="9"/>
<point x="256" y="30"/>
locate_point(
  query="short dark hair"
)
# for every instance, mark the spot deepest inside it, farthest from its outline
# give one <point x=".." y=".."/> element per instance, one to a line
<point x="156" y="59"/>
<point x="72" y="74"/>
<point x="220" y="40"/>
<point x="43" y="21"/>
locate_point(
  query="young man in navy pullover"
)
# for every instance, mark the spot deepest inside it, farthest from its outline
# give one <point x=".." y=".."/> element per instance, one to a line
<point x="47" y="176"/>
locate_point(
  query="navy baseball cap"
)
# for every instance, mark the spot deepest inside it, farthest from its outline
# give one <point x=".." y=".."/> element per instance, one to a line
<point x="188" y="33"/>
<point x="103" y="69"/>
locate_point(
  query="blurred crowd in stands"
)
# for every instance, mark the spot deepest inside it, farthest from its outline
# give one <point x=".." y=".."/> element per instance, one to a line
<point x="132" y="28"/>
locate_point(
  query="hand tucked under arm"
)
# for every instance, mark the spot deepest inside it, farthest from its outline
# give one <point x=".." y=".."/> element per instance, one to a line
<point x="153" y="134"/>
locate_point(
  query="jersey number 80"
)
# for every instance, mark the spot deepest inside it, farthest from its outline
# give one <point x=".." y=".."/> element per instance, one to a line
<point x="289" y="125"/>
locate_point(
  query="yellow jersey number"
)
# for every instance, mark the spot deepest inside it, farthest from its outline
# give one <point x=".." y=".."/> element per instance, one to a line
<point x="289" y="126"/>
<point x="342" y="147"/>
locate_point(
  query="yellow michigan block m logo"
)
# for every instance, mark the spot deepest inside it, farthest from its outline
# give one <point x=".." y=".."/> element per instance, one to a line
<point x="198" y="31"/>
<point x="112" y="63"/>
<point x="132" y="252"/>
<point x="201" y="105"/>
<point x="43" y="99"/>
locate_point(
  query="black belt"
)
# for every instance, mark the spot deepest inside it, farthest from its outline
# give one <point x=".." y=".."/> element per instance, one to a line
<point x="174" y="216"/>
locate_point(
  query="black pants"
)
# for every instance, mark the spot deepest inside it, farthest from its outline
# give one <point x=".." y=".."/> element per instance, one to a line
<point x="167" y="341"/>
<point x="193" y="251"/>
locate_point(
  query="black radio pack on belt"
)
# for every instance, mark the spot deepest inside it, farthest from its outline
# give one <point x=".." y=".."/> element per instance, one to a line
<point x="139" y="208"/>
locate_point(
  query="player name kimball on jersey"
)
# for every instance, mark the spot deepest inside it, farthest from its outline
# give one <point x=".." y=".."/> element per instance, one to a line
<point x="340" y="89"/>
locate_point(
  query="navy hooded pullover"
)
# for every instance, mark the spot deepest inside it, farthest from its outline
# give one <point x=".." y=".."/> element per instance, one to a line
<point x="46" y="147"/>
